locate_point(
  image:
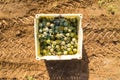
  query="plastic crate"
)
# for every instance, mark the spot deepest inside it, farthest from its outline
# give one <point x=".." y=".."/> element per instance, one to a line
<point x="78" y="55"/>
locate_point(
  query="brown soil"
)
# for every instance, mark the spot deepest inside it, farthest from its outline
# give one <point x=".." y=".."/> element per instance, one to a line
<point x="101" y="45"/>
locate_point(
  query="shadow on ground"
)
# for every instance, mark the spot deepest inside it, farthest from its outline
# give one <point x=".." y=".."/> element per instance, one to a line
<point x="69" y="69"/>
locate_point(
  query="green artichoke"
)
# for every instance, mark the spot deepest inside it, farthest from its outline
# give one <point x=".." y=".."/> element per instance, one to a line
<point x="58" y="36"/>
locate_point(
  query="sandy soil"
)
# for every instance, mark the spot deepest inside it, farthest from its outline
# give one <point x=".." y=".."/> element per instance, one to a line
<point x="101" y="45"/>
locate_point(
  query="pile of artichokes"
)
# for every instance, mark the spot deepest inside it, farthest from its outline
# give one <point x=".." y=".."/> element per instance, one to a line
<point x="57" y="36"/>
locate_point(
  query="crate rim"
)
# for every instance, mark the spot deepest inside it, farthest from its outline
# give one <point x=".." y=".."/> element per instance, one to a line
<point x="61" y="57"/>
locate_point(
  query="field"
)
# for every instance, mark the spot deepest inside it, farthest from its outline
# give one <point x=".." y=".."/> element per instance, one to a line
<point x="101" y="44"/>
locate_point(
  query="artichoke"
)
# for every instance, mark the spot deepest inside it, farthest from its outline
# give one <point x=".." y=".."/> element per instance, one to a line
<point x="66" y="23"/>
<point x="65" y="52"/>
<point x="54" y="43"/>
<point x="44" y="23"/>
<point x="62" y="47"/>
<point x="69" y="45"/>
<point x="51" y="25"/>
<point x="75" y="46"/>
<point x="40" y="25"/>
<point x="65" y="28"/>
<point x="48" y="24"/>
<point x="72" y="34"/>
<point x="69" y="30"/>
<point x="39" y="36"/>
<point x="65" y="38"/>
<point x="51" y="50"/>
<point x="73" y="39"/>
<point x="48" y="41"/>
<point x="71" y="52"/>
<point x="59" y="35"/>
<point x="40" y="30"/>
<point x="75" y="50"/>
<point x="73" y="20"/>
<point x="58" y="41"/>
<point x="63" y="43"/>
<point x="72" y="43"/>
<point x="45" y="33"/>
<point x="44" y="52"/>
<point x="57" y="22"/>
<point x="72" y="47"/>
<point x="45" y="29"/>
<point x="49" y="47"/>
<point x="57" y="46"/>
<point x="69" y="49"/>
<point x="67" y="34"/>
<point x="42" y="35"/>
<point x="50" y="31"/>
<point x="59" y="53"/>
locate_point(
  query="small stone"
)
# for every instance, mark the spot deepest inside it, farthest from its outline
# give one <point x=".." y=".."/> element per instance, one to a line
<point x="19" y="33"/>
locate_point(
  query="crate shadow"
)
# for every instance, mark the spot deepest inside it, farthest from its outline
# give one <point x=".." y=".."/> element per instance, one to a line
<point x="69" y="69"/>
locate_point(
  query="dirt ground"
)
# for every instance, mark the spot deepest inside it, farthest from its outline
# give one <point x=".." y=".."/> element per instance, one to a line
<point x="101" y="44"/>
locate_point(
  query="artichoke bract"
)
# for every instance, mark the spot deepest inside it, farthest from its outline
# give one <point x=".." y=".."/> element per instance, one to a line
<point x="58" y="36"/>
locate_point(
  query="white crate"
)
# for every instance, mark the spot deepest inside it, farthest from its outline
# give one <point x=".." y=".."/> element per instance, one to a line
<point x="78" y="55"/>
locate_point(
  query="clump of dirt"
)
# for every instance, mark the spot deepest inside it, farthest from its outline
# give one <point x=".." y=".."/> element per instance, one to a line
<point x="20" y="33"/>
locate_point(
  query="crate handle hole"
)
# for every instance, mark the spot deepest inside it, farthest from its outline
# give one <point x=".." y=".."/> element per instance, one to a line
<point x="37" y="58"/>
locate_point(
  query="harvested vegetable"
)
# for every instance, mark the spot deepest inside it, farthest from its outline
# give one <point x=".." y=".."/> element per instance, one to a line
<point x="57" y="36"/>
